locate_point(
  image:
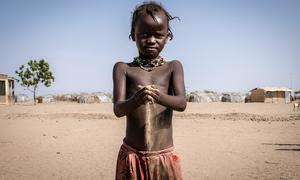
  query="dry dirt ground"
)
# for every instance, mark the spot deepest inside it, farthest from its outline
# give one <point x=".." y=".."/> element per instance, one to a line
<point x="215" y="141"/>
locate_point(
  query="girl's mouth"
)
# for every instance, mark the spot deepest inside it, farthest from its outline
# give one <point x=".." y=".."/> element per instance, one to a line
<point x="150" y="48"/>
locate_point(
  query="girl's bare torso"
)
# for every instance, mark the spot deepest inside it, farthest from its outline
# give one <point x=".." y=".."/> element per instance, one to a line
<point x="149" y="127"/>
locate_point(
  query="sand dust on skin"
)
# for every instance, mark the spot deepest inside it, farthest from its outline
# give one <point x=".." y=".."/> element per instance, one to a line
<point x="148" y="125"/>
<point x="214" y="140"/>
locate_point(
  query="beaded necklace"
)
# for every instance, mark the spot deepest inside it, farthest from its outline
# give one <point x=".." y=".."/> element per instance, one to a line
<point x="149" y="65"/>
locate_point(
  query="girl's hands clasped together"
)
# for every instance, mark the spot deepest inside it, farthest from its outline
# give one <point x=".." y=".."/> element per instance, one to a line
<point x="147" y="94"/>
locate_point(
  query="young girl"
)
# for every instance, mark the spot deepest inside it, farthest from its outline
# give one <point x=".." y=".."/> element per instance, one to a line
<point x="146" y="91"/>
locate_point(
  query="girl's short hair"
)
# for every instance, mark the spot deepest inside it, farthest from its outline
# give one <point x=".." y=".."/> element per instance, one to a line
<point x="150" y="8"/>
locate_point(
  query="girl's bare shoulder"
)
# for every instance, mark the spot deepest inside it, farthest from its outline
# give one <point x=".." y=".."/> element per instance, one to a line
<point x="120" y="66"/>
<point x="175" y="64"/>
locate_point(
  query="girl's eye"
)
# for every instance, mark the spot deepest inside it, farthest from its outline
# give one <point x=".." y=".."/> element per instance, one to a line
<point x="144" y="35"/>
<point x="159" y="36"/>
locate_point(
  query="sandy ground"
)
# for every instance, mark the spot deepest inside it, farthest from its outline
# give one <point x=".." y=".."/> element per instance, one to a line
<point x="215" y="141"/>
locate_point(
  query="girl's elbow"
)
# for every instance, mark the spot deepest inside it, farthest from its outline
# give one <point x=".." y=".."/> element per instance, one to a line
<point x="182" y="106"/>
<point x="117" y="112"/>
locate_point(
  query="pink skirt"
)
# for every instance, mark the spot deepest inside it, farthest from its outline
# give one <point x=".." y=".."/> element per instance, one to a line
<point x="147" y="165"/>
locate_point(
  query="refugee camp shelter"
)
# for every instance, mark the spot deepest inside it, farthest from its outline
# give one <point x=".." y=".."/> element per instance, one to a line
<point x="271" y="95"/>
<point x="7" y="94"/>
<point x="297" y="95"/>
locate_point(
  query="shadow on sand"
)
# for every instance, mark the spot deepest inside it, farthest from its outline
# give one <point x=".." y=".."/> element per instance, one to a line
<point x="282" y="144"/>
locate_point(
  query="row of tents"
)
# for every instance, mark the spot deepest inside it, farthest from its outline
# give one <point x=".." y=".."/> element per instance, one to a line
<point x="262" y="94"/>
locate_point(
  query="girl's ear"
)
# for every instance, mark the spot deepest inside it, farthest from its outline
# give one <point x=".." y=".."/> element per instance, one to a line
<point x="169" y="36"/>
<point x="131" y="37"/>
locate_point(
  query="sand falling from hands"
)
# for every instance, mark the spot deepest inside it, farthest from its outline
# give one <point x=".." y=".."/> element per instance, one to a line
<point x="149" y="112"/>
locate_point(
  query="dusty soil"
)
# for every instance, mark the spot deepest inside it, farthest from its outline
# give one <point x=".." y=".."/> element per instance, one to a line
<point x="215" y="141"/>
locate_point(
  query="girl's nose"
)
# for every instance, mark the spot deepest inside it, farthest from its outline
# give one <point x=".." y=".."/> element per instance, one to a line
<point x="151" y="39"/>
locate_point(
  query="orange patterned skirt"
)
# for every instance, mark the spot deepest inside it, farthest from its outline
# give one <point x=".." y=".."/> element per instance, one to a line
<point x="147" y="165"/>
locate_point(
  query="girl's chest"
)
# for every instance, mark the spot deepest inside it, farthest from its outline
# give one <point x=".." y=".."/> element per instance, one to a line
<point x="160" y="77"/>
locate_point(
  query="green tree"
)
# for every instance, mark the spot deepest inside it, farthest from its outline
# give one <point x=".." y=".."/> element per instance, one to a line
<point x="37" y="72"/>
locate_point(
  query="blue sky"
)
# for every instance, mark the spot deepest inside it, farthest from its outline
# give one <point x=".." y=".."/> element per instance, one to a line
<point x="223" y="45"/>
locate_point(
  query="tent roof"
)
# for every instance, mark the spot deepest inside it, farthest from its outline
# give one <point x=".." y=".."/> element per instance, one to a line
<point x="273" y="89"/>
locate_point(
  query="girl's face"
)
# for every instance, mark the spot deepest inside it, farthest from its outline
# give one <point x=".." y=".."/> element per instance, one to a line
<point x="151" y="34"/>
